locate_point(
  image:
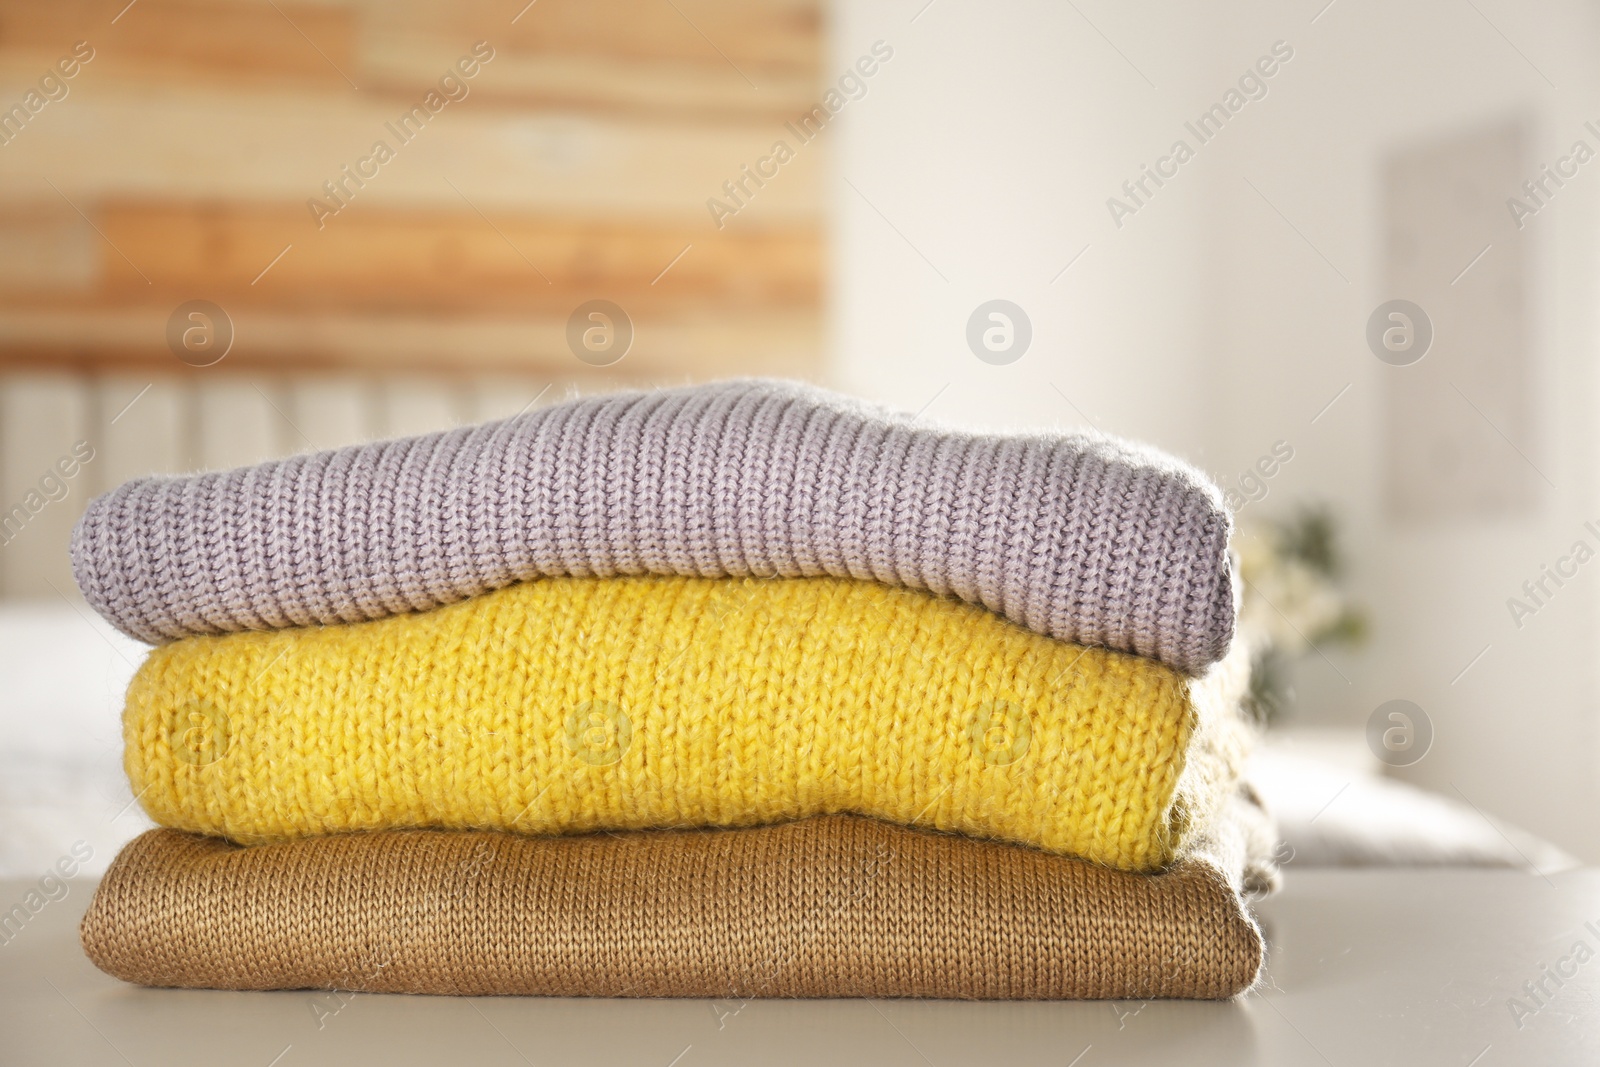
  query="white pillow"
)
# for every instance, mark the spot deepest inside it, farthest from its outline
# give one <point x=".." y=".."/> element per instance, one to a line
<point x="1332" y="815"/>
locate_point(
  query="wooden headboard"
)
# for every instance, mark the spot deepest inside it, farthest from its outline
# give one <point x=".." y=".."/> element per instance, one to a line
<point x="224" y="155"/>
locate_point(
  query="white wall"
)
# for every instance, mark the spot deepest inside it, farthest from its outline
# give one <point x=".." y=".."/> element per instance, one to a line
<point x="1208" y="325"/>
<point x="990" y="142"/>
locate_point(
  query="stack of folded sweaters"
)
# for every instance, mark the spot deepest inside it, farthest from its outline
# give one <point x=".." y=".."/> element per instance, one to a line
<point x="738" y="690"/>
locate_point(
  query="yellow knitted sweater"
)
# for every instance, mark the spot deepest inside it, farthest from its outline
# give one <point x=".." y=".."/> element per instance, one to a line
<point x="573" y="704"/>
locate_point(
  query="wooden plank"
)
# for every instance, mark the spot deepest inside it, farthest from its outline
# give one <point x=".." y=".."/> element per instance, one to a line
<point x="754" y="35"/>
<point x="396" y="64"/>
<point x="458" y="261"/>
<point x="693" y="343"/>
<point x="47" y="456"/>
<point x="240" y="421"/>
<point x="705" y="58"/>
<point x="147" y="427"/>
<point x="222" y="146"/>
<point x="628" y="54"/>
<point x="47" y="247"/>
<point x="192" y="41"/>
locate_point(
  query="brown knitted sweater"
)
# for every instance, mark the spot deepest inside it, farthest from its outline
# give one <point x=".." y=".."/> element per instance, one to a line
<point x="834" y="906"/>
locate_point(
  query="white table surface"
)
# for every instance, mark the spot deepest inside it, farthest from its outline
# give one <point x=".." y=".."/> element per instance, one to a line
<point x="1366" y="968"/>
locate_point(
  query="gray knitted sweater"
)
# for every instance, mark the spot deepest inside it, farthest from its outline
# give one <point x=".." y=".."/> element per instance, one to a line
<point x="1081" y="538"/>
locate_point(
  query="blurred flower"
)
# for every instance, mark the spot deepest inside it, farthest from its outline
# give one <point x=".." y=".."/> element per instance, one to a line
<point x="1293" y="600"/>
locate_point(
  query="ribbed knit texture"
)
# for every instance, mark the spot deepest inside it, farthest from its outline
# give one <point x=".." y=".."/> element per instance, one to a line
<point x="1080" y="538"/>
<point x="572" y="704"/>
<point x="829" y="907"/>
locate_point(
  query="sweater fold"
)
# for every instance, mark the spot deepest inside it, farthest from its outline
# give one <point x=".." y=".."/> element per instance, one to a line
<point x="567" y="704"/>
<point x="835" y="906"/>
<point x="1080" y="538"/>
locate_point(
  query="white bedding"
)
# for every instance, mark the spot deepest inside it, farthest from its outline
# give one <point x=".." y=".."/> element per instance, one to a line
<point x="1334" y="809"/>
<point x="61" y="777"/>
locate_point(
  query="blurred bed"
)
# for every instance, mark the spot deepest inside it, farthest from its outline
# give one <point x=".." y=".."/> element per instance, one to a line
<point x="61" y="779"/>
<point x="1335" y="809"/>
